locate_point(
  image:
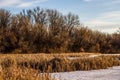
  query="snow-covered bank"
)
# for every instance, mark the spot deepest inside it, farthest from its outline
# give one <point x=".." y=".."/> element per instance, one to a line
<point x="91" y="56"/>
<point x="103" y="74"/>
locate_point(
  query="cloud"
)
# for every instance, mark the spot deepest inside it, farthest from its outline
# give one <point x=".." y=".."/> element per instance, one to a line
<point x="26" y="4"/>
<point x="4" y="3"/>
<point x="106" y="21"/>
<point x="30" y="3"/>
<point x="108" y="18"/>
<point x="112" y="2"/>
<point x="87" y="0"/>
<point x="20" y="3"/>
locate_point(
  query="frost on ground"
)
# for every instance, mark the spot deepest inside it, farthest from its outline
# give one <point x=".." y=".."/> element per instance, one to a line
<point x="102" y="74"/>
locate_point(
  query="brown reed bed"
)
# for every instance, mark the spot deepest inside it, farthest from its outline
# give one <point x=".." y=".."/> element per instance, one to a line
<point x="29" y="66"/>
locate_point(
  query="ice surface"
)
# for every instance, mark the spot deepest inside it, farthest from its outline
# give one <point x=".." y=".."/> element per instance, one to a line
<point x="102" y="74"/>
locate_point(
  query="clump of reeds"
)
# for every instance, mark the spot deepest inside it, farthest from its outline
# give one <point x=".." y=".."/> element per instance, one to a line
<point x="9" y="70"/>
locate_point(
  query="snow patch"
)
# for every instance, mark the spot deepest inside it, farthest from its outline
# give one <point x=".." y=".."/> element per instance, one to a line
<point x="102" y="74"/>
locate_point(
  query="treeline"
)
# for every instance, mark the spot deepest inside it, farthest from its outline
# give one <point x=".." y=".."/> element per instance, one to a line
<point x="49" y="31"/>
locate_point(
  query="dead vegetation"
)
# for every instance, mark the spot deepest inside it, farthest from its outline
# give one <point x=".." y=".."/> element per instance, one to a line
<point x="38" y="66"/>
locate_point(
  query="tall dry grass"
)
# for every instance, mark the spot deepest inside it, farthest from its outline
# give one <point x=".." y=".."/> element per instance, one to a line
<point x="29" y="66"/>
<point x="10" y="70"/>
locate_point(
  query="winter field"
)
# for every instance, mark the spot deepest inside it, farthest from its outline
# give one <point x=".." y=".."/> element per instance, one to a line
<point x="64" y="66"/>
<point x="112" y="73"/>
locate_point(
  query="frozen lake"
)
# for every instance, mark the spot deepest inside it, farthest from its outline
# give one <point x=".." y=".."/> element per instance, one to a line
<point x="102" y="74"/>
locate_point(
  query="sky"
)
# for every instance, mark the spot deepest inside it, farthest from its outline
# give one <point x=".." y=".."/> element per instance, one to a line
<point x="101" y="15"/>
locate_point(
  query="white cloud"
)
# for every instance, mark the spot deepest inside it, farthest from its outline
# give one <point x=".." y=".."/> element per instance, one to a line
<point x="19" y="3"/>
<point x="106" y="21"/>
<point x="25" y="4"/>
<point x="87" y="0"/>
<point x="108" y="18"/>
<point x="4" y="3"/>
<point x="31" y="3"/>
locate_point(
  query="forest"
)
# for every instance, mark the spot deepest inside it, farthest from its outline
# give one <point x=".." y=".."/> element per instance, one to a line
<point x="49" y="31"/>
